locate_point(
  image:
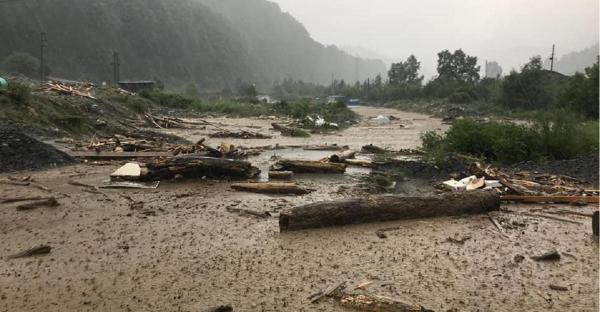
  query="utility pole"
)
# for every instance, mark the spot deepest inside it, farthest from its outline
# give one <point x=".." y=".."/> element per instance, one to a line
<point x="43" y="42"/>
<point x="552" y="59"/>
<point x="116" y="64"/>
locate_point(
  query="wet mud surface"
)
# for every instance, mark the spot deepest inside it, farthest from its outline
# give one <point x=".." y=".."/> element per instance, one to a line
<point x="181" y="250"/>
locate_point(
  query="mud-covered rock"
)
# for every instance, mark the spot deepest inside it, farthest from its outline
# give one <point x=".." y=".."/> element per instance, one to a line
<point x="20" y="152"/>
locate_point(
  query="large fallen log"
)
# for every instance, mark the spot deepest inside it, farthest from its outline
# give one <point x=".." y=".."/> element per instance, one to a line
<point x="192" y="166"/>
<point x="270" y="188"/>
<point x="305" y="166"/>
<point x="386" y="208"/>
<point x="341" y="157"/>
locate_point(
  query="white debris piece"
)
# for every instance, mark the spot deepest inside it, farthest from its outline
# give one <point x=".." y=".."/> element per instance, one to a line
<point x="455" y="185"/>
<point x="131" y="171"/>
<point x="382" y="120"/>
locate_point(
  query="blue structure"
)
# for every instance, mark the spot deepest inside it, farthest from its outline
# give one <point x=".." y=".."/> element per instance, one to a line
<point x="3" y="83"/>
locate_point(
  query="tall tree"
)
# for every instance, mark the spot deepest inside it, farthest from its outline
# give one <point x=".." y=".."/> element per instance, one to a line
<point x="405" y="72"/>
<point x="458" y="66"/>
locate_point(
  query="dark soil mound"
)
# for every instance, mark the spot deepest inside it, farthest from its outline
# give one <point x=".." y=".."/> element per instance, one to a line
<point x="21" y="152"/>
<point x="583" y="168"/>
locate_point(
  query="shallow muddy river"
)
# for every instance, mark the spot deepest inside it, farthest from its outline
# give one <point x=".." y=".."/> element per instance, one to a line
<point x="190" y="253"/>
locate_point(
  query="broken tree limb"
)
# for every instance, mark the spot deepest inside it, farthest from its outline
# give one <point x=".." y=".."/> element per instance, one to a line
<point x="360" y="163"/>
<point x="386" y="208"/>
<point x="551" y="199"/>
<point x="270" y="188"/>
<point x="281" y="175"/>
<point x="36" y="251"/>
<point x="191" y="166"/>
<point x="342" y="156"/>
<point x="51" y="202"/>
<point x="22" y="199"/>
<point x="258" y="214"/>
<point x="498" y="226"/>
<point x="325" y="292"/>
<point x="305" y="166"/>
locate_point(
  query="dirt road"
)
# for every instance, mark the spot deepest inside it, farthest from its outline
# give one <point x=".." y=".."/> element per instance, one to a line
<point x="183" y="251"/>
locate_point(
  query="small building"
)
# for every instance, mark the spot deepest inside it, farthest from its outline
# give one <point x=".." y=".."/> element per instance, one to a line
<point x="137" y="86"/>
<point x="332" y="99"/>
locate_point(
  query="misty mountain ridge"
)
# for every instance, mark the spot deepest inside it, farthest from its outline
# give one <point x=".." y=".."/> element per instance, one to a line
<point x="211" y="43"/>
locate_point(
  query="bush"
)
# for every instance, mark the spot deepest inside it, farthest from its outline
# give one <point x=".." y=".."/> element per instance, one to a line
<point x="558" y="135"/>
<point x="171" y="100"/>
<point x="20" y="93"/>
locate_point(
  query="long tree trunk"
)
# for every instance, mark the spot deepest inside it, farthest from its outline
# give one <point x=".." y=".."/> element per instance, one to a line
<point x="303" y="166"/>
<point x="386" y="208"/>
<point x="190" y="166"/>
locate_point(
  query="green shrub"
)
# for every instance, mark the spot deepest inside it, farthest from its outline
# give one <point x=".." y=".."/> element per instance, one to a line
<point x="20" y="93"/>
<point x="557" y="135"/>
<point x="171" y="100"/>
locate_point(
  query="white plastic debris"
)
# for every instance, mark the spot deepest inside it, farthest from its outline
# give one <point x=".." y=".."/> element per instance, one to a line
<point x="493" y="184"/>
<point x="130" y="171"/>
<point x="382" y="120"/>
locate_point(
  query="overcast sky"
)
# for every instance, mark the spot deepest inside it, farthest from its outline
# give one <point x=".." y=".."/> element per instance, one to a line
<point x="508" y="31"/>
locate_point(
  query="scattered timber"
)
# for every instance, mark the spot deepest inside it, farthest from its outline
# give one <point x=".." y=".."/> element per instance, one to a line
<point x="271" y="188"/>
<point x="192" y="166"/>
<point x="36" y="251"/>
<point x="342" y="157"/>
<point x="331" y="148"/>
<point x="386" y="208"/>
<point x="118" y="155"/>
<point x="289" y="131"/>
<point x="376" y="303"/>
<point x="240" y="135"/>
<point x="281" y="175"/>
<point x="51" y="202"/>
<point x="304" y="166"/>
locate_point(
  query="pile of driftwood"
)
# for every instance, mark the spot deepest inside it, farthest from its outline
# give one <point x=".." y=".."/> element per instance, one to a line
<point x="242" y="134"/>
<point x="82" y="90"/>
<point x="173" y="123"/>
<point x="196" y="167"/>
<point x="527" y="187"/>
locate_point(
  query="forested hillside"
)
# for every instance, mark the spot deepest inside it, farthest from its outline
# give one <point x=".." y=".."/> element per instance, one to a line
<point x="210" y="43"/>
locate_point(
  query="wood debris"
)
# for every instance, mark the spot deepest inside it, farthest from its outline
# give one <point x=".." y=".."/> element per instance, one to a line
<point x="76" y="89"/>
<point x="51" y="202"/>
<point x="36" y="251"/>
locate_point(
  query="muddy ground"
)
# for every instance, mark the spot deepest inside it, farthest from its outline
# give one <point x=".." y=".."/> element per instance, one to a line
<point x="183" y="251"/>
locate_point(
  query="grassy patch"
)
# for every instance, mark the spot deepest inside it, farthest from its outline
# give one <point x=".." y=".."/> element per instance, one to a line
<point x="556" y="135"/>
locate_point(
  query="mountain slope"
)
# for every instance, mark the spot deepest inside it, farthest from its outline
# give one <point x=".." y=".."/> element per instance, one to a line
<point x="210" y="43"/>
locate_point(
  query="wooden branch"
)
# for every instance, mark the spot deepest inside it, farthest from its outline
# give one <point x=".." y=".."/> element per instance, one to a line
<point x="271" y="188"/>
<point x="342" y="157"/>
<point x="51" y="202"/>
